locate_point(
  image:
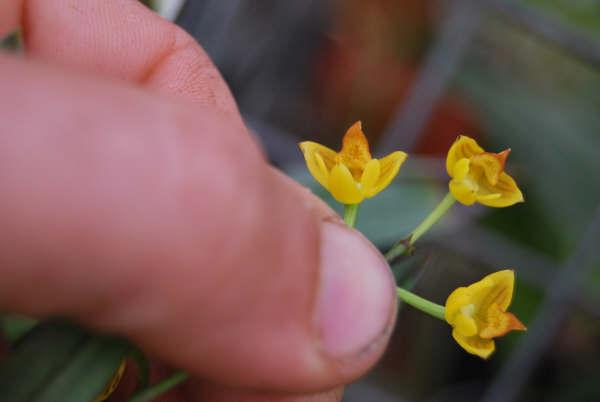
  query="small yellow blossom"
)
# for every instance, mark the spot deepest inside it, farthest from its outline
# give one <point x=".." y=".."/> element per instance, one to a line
<point x="479" y="176"/>
<point x="351" y="175"/>
<point x="478" y="313"/>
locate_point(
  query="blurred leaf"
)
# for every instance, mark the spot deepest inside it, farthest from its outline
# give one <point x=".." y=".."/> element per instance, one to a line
<point x="153" y="392"/>
<point x="583" y="388"/>
<point x="526" y="301"/>
<point x="592" y="286"/>
<point x="149" y="3"/>
<point x="11" y="42"/>
<point x="15" y="326"/>
<point x="88" y="372"/>
<point x="583" y="14"/>
<point x="59" y="361"/>
<point x="526" y="224"/>
<point x="393" y="213"/>
<point x="544" y="106"/>
<point x="42" y="351"/>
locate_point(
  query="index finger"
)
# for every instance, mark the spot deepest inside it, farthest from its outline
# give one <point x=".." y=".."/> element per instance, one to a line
<point x="121" y="39"/>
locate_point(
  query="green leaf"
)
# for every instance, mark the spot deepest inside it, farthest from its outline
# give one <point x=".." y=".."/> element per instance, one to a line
<point x="12" y="42"/>
<point x="59" y="361"/>
<point x="15" y="326"/>
<point x="151" y="4"/>
<point x="87" y="373"/>
<point x="393" y="213"/>
<point x="582" y="14"/>
<point x="41" y="352"/>
<point x="154" y="391"/>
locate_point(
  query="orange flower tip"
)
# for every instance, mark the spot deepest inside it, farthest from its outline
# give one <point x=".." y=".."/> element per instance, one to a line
<point x="515" y="324"/>
<point x="512" y="323"/>
<point x="502" y="156"/>
<point x="355" y="147"/>
<point x="355" y="134"/>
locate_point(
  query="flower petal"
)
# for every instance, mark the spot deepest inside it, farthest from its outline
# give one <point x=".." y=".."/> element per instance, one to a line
<point x="458" y="298"/>
<point x="499" y="323"/>
<point x="390" y="166"/>
<point x="474" y="344"/>
<point x="461" y="169"/>
<point x="465" y="325"/>
<point x="342" y="186"/>
<point x="463" y="147"/>
<point x="496" y="288"/>
<point x="488" y="197"/>
<point x="492" y="164"/>
<point x="319" y="160"/>
<point x="510" y="194"/>
<point x="369" y="177"/>
<point x="355" y="148"/>
<point x="463" y="193"/>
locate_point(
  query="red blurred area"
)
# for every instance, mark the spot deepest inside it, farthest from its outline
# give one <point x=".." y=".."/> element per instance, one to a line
<point x="367" y="69"/>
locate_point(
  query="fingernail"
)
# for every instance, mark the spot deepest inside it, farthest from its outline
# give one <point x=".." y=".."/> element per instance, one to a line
<point x="356" y="298"/>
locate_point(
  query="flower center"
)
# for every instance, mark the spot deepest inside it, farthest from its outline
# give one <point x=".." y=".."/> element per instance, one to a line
<point x="490" y="165"/>
<point x="468" y="310"/>
<point x="471" y="182"/>
<point x="356" y="166"/>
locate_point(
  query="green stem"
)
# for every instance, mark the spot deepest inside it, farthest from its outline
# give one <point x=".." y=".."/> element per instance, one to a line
<point x="431" y="308"/>
<point x="440" y="210"/>
<point x="160" y="388"/>
<point x="350" y="213"/>
<point x="433" y="217"/>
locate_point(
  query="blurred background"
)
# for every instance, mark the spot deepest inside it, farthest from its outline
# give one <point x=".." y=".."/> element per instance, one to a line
<point x="513" y="74"/>
<point x="519" y="74"/>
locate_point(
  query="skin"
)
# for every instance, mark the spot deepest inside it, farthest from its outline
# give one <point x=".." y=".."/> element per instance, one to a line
<point x="120" y="149"/>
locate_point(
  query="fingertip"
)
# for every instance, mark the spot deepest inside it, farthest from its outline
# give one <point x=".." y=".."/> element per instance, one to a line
<point x="356" y="303"/>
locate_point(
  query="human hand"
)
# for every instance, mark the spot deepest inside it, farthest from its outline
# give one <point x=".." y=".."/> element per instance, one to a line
<point x="134" y="201"/>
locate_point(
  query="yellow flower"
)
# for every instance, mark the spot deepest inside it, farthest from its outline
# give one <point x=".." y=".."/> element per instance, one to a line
<point x="479" y="176"/>
<point x="351" y="175"/>
<point x="478" y="314"/>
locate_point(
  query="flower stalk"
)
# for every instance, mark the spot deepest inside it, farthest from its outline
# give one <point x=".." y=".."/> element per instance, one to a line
<point x="426" y="306"/>
<point x="404" y="246"/>
<point x="350" y="214"/>
<point x="477" y="313"/>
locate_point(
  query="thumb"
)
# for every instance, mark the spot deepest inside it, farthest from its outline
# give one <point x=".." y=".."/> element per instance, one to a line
<point x="161" y="221"/>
